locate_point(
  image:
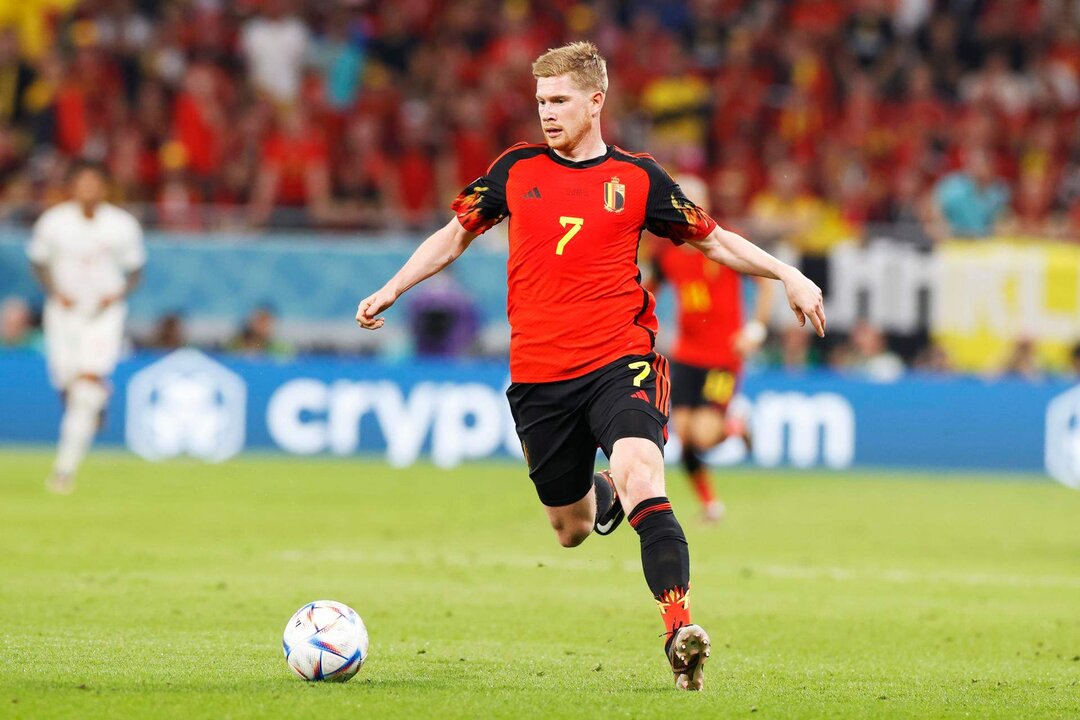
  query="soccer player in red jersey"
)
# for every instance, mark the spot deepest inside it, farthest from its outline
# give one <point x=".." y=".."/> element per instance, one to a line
<point x="707" y="357"/>
<point x="582" y="367"/>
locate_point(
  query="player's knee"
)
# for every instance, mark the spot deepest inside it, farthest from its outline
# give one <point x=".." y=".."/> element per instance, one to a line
<point x="574" y="536"/>
<point x="89" y="394"/>
<point x="571" y="533"/>
<point x="707" y="430"/>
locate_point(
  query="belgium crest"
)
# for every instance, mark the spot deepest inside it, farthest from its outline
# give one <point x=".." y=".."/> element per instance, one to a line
<point x="614" y="196"/>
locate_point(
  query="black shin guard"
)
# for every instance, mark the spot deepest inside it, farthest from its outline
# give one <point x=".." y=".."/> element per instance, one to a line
<point x="665" y="557"/>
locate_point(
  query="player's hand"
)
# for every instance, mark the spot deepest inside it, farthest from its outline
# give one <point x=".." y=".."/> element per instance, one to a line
<point x="371" y="306"/>
<point x="804" y="298"/>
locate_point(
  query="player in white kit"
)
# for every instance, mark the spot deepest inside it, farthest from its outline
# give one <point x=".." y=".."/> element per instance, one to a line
<point x="88" y="256"/>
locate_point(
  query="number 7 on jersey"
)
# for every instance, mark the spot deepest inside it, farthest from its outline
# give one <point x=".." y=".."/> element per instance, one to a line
<point x="575" y="224"/>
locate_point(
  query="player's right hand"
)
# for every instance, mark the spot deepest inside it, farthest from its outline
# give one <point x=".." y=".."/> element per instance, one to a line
<point x="805" y="300"/>
<point x="371" y="306"/>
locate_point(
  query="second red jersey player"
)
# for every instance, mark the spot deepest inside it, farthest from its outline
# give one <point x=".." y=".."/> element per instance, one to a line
<point x="710" y="313"/>
<point x="707" y="357"/>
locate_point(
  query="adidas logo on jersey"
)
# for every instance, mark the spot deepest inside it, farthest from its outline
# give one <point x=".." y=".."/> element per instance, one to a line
<point x="534" y="193"/>
<point x="640" y="395"/>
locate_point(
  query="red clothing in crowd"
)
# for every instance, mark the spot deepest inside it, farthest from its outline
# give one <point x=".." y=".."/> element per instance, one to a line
<point x="293" y="157"/>
<point x="201" y="140"/>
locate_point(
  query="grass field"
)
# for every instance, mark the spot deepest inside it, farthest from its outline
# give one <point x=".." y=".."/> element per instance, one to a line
<point x="162" y="590"/>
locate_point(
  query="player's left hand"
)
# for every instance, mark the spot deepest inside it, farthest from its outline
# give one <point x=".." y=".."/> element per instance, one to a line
<point x="371" y="306"/>
<point x="804" y="298"/>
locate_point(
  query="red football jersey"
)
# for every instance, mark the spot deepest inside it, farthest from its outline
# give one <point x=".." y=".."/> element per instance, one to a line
<point x="710" y="308"/>
<point x="575" y="299"/>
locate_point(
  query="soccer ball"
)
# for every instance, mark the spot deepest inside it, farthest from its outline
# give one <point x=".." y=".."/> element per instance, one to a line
<point x="325" y="640"/>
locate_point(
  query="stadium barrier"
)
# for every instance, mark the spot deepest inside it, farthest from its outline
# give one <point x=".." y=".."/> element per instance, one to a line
<point x="976" y="298"/>
<point x="305" y="276"/>
<point x="188" y="403"/>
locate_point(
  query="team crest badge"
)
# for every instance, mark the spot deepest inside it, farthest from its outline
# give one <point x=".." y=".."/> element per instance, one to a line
<point x="614" y="196"/>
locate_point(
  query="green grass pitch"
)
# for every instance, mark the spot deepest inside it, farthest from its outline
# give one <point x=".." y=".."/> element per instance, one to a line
<point x="162" y="590"/>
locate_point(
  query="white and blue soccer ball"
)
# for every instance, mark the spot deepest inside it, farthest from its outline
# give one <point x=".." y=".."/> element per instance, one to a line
<point x="325" y="640"/>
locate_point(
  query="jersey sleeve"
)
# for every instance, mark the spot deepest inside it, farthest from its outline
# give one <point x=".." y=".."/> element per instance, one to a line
<point x="482" y="205"/>
<point x="39" y="250"/>
<point x="669" y="213"/>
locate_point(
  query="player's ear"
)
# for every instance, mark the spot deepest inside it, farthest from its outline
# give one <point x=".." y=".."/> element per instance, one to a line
<point x="596" y="102"/>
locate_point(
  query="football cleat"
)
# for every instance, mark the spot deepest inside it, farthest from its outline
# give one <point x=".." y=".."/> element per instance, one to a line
<point x="687" y="650"/>
<point x="608" y="521"/>
<point x="60" y="483"/>
<point x="713" y="512"/>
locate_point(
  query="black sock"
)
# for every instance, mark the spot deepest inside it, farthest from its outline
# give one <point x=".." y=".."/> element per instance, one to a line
<point x="665" y="558"/>
<point x="605" y="495"/>
<point x="691" y="460"/>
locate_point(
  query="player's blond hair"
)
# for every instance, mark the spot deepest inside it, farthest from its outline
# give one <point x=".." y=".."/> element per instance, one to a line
<point x="581" y="60"/>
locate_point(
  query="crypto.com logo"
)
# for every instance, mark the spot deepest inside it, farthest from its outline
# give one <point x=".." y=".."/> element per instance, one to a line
<point x="186" y="404"/>
<point x="1063" y="438"/>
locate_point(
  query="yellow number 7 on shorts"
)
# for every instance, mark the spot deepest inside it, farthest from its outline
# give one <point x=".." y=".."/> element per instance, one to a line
<point x="575" y="224"/>
<point x="645" y="369"/>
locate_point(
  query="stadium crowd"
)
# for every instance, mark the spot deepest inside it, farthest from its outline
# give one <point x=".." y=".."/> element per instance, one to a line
<point x="811" y="119"/>
<point x="811" y="122"/>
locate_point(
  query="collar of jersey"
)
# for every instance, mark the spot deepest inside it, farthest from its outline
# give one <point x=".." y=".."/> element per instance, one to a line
<point x="582" y="164"/>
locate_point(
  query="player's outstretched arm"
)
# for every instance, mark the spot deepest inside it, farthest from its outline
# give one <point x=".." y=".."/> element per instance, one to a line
<point x="443" y="247"/>
<point x="741" y="255"/>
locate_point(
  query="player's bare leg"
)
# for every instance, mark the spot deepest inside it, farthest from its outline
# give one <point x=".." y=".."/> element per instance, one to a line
<point x="84" y="401"/>
<point x="573" y="523"/>
<point x="700" y="429"/>
<point x="637" y="467"/>
<point x="599" y="511"/>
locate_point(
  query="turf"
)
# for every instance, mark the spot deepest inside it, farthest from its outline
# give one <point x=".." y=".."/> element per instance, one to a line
<point x="162" y="590"/>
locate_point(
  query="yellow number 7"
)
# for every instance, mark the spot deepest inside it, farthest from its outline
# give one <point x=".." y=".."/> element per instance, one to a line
<point x="645" y="369"/>
<point x="575" y="224"/>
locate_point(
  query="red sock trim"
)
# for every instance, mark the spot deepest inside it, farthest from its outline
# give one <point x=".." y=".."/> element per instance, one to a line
<point x="646" y="508"/>
<point x="674" y="607"/>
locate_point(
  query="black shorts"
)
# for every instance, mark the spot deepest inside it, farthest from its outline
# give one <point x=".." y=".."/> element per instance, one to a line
<point x="561" y="424"/>
<point x="694" y="387"/>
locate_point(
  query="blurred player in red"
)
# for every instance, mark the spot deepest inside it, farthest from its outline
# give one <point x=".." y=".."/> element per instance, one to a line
<point x="583" y="370"/>
<point x="708" y="353"/>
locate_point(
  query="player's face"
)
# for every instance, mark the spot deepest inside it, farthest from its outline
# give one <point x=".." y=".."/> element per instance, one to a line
<point x="567" y="112"/>
<point x="88" y="187"/>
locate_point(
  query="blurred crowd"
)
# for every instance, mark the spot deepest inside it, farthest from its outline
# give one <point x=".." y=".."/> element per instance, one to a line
<point x="810" y="120"/>
<point x="804" y="122"/>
